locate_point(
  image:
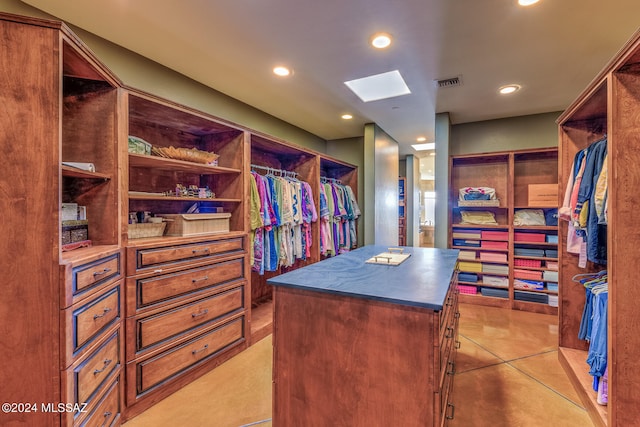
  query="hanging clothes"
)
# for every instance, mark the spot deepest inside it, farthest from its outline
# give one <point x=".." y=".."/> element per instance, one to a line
<point x="282" y="210"/>
<point x="585" y="203"/>
<point x="338" y="212"/>
<point x="593" y="328"/>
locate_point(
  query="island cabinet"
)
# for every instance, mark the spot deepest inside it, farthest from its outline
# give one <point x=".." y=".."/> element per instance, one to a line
<point x="356" y="343"/>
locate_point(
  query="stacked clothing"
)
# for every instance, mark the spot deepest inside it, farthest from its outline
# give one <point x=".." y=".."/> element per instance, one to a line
<point x="531" y="297"/>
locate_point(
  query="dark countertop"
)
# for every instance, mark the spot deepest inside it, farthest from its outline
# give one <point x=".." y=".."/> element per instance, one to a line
<point x="421" y="281"/>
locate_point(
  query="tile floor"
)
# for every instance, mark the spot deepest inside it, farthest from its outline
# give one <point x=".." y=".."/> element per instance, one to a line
<point x="507" y="375"/>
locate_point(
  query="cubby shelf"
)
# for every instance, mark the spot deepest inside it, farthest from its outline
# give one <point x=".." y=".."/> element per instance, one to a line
<point x="510" y="174"/>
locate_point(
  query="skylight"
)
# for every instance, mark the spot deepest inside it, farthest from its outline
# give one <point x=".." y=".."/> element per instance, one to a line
<point x="379" y="86"/>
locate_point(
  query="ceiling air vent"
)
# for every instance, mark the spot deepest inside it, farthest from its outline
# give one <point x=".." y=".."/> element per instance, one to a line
<point x="451" y="82"/>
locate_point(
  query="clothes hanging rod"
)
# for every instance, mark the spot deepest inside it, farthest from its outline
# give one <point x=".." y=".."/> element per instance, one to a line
<point x="326" y="179"/>
<point x="275" y="170"/>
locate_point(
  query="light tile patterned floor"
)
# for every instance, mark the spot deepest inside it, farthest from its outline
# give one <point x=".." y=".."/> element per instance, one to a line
<point x="507" y="374"/>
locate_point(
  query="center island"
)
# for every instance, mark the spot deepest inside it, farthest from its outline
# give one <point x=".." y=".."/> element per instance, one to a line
<point x="363" y="344"/>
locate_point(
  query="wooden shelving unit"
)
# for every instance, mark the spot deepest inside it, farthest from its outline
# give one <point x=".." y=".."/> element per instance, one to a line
<point x="609" y="106"/>
<point x="492" y="253"/>
<point x="63" y="340"/>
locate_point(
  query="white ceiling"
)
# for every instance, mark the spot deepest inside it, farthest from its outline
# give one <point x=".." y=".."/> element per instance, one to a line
<point x="552" y="49"/>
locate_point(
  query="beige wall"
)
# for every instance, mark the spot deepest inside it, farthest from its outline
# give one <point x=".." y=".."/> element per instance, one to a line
<point x="514" y="133"/>
<point x="381" y="159"/>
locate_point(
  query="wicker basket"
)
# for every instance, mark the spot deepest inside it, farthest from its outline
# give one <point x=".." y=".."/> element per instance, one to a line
<point x="146" y="229"/>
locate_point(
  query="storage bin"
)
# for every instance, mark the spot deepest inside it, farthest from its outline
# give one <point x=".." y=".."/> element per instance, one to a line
<point x="519" y="262"/>
<point x="529" y="237"/>
<point x="196" y="224"/>
<point x="527" y="274"/>
<point x="469" y="290"/>
<point x="503" y="282"/>
<point x="490" y="244"/>
<point x="467" y="277"/>
<point x="528" y="284"/>
<point x="493" y="292"/>
<point x="145" y="230"/>
<point x="474" y="267"/>
<point x="495" y="235"/>
<point x="467" y="255"/>
<point x="74" y="231"/>
<point x="493" y="257"/>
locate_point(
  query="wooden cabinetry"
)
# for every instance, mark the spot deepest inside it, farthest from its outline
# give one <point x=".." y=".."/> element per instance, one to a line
<point x="187" y="296"/>
<point x="187" y="311"/>
<point x="609" y="106"/>
<point x="61" y="311"/>
<point x="507" y="262"/>
<point x="381" y="347"/>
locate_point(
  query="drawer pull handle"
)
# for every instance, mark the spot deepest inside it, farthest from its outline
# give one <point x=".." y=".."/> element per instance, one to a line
<point x="106" y="418"/>
<point x="453" y="368"/>
<point x="449" y="333"/>
<point x="206" y="346"/>
<point x="453" y="411"/>
<point x="458" y="344"/>
<point x="104" y="313"/>
<point x="202" y="313"/>
<point x="100" y="273"/>
<point x="195" y="251"/>
<point x="200" y="279"/>
<point x="107" y="362"/>
<point x="457" y="315"/>
<point x="159" y="270"/>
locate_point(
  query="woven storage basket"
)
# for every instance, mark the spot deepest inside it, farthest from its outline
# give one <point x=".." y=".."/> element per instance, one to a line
<point x="197" y="224"/>
<point x="146" y="229"/>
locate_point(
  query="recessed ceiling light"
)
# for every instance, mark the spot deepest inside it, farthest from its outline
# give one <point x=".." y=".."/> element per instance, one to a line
<point x="424" y="147"/>
<point x="421" y="139"/>
<point x="379" y="86"/>
<point x="527" y="2"/>
<point x="347" y="116"/>
<point x="507" y="89"/>
<point x="281" y="71"/>
<point x="432" y="154"/>
<point x="380" y="40"/>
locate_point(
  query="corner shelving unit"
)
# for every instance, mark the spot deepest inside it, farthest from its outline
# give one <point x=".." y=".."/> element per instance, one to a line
<point x="609" y="106"/>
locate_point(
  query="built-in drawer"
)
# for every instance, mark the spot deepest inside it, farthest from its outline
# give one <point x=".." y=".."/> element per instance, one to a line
<point x="155" y="329"/>
<point x="86" y="277"/>
<point x="85" y="321"/>
<point x="107" y="410"/>
<point x="450" y="302"/>
<point x="180" y="359"/>
<point x="86" y="376"/>
<point x="168" y="255"/>
<point x="157" y="289"/>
